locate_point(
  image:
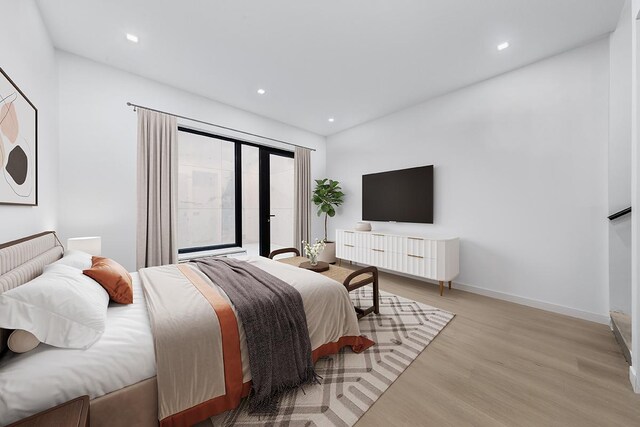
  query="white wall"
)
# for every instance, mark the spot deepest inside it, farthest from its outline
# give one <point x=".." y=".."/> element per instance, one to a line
<point x="635" y="197"/>
<point x="27" y="56"/>
<point x="98" y="147"/>
<point x="620" y="163"/>
<point x="520" y="176"/>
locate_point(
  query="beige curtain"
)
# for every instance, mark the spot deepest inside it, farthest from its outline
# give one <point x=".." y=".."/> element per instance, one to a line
<point x="157" y="189"/>
<point x="302" y="196"/>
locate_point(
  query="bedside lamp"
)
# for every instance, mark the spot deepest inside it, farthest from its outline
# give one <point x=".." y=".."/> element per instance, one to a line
<point x="90" y="245"/>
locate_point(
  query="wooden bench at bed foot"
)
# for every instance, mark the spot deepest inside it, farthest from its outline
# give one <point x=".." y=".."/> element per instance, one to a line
<point x="360" y="278"/>
<point x="352" y="280"/>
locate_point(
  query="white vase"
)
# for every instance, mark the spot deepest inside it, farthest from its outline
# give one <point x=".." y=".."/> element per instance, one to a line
<point x="329" y="253"/>
<point x="363" y="226"/>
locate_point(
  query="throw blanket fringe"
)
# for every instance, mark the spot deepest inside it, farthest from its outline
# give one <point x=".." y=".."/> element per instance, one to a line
<point x="275" y="326"/>
<point x="271" y="404"/>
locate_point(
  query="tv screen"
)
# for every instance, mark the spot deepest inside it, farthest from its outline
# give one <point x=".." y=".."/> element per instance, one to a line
<point x="404" y="195"/>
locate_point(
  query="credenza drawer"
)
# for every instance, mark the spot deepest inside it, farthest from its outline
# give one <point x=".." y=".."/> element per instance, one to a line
<point x="379" y="257"/>
<point x="345" y="251"/>
<point x="382" y="242"/>
<point x="420" y="247"/>
<point x="346" y="237"/>
<point x="420" y="266"/>
<point x="378" y="241"/>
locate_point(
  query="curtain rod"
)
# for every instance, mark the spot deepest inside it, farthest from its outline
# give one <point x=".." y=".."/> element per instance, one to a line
<point x="130" y="104"/>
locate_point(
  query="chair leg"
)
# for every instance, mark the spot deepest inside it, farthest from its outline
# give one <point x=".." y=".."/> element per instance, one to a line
<point x="376" y="295"/>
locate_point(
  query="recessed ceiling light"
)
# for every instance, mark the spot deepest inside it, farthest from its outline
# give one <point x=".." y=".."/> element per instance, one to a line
<point x="331" y="120"/>
<point x="503" y="46"/>
<point x="132" y="38"/>
<point x="261" y="91"/>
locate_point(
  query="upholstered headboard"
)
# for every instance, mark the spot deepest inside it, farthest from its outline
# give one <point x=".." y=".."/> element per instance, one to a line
<point x="23" y="260"/>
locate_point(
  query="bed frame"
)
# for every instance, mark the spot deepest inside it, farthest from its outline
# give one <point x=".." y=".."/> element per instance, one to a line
<point x="23" y="260"/>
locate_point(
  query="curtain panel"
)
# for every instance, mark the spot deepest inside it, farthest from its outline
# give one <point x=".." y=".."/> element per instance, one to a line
<point x="302" y="196"/>
<point x="157" y="189"/>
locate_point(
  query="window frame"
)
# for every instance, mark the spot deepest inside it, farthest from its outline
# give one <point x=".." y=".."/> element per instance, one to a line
<point x="238" y="143"/>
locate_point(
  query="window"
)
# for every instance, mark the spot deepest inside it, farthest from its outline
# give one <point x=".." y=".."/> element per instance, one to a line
<point x="206" y="192"/>
<point x="233" y="193"/>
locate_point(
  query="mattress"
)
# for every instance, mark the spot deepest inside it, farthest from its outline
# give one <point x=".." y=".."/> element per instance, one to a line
<point x="47" y="376"/>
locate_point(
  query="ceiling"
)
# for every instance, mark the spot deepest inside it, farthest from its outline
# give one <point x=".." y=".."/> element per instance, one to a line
<point x="354" y="60"/>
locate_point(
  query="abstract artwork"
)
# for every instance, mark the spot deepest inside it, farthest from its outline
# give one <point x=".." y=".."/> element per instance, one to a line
<point x="18" y="145"/>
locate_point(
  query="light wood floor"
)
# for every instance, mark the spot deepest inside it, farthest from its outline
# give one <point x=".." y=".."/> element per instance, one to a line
<point x="504" y="364"/>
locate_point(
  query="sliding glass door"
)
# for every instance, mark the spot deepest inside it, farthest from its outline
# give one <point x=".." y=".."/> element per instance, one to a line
<point x="233" y="194"/>
<point x="276" y="177"/>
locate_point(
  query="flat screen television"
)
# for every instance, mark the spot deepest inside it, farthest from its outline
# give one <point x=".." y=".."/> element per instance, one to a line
<point x="404" y="195"/>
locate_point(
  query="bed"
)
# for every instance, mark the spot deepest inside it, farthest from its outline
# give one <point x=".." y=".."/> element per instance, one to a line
<point x="119" y="396"/>
<point x="119" y="372"/>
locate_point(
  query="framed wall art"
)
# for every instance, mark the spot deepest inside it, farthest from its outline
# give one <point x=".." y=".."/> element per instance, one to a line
<point x="18" y="145"/>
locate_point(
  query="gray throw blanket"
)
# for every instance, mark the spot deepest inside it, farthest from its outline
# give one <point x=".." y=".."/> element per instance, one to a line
<point x="275" y="326"/>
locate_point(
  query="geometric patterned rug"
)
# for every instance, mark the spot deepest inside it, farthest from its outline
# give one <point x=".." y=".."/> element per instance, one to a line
<point x="352" y="382"/>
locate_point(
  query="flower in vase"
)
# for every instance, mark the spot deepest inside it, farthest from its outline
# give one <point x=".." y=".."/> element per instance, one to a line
<point x="312" y="251"/>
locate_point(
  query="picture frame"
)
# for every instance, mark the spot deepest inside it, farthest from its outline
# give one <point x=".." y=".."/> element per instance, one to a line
<point x="18" y="145"/>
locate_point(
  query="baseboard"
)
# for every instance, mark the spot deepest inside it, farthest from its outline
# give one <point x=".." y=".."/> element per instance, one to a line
<point x="555" y="308"/>
<point x="633" y="378"/>
<point x="542" y="305"/>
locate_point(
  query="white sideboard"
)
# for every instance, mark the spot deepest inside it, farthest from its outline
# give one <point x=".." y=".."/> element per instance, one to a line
<point x="434" y="259"/>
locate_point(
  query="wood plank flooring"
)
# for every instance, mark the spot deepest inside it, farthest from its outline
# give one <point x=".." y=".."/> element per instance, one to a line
<point x="503" y="364"/>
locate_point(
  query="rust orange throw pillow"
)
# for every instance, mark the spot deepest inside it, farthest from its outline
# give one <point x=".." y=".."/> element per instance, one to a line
<point x="113" y="278"/>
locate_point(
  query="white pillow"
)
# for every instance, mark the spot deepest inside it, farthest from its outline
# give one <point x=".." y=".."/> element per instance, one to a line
<point x="62" y="307"/>
<point x="74" y="258"/>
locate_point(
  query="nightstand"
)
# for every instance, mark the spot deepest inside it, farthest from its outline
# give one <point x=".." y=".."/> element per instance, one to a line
<point x="74" y="413"/>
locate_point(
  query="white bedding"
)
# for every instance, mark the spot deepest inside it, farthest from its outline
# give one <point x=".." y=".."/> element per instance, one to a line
<point x="48" y="376"/>
<point x="191" y="371"/>
<point x="329" y="311"/>
<point x="124" y="355"/>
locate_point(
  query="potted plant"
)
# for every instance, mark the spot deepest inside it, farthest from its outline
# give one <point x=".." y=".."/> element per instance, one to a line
<point x="327" y="196"/>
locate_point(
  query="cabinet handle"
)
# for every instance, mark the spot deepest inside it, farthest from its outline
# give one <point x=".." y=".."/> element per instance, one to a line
<point x="350" y="232"/>
<point x="349" y="246"/>
<point x="378" y="250"/>
<point x="379" y="235"/>
<point x="415" y="256"/>
<point x="414" y="238"/>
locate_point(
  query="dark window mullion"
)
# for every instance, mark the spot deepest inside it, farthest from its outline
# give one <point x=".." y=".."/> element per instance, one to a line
<point x="264" y="202"/>
<point x="238" y="174"/>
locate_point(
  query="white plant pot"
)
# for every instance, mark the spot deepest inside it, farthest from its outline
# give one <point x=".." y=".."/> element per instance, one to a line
<point x="329" y="253"/>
